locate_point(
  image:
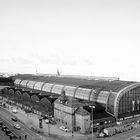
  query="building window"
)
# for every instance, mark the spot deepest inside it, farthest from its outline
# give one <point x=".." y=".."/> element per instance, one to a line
<point x="133" y="105"/>
<point x="138" y="104"/>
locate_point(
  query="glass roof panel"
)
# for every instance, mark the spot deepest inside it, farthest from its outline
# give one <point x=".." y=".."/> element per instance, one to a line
<point x="83" y="93"/>
<point x="102" y="99"/>
<point x="47" y="87"/>
<point x="23" y="83"/>
<point x="38" y="85"/>
<point x="17" y="81"/>
<point x="31" y="84"/>
<point x="69" y="90"/>
<point x="92" y="96"/>
<point x="57" y="89"/>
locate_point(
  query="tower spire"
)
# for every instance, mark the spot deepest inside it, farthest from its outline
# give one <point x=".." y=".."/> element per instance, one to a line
<point x="58" y="74"/>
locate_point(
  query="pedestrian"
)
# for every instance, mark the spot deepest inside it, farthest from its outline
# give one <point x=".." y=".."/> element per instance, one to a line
<point x="25" y="136"/>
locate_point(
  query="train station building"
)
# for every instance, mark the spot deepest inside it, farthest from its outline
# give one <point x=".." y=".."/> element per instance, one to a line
<point x="79" y="101"/>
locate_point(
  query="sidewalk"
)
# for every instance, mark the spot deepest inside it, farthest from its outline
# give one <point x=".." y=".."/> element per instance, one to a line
<point x="32" y="121"/>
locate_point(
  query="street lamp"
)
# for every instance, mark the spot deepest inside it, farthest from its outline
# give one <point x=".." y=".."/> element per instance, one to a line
<point x="92" y="106"/>
<point x="72" y="127"/>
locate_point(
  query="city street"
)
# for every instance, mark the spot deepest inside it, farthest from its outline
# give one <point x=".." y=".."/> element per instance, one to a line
<point x="32" y="120"/>
<point x="27" y="121"/>
<point x="6" y="116"/>
<point x="52" y="132"/>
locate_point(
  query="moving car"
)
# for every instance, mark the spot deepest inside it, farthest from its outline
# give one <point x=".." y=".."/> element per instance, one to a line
<point x="14" y="119"/>
<point x="4" y="128"/>
<point x="12" y="136"/>
<point x="14" y="110"/>
<point x="17" y="126"/>
<point x="47" y="121"/>
<point x="1" y="123"/>
<point x="64" y="128"/>
<point x="8" y="132"/>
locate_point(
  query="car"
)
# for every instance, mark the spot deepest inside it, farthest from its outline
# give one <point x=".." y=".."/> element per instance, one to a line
<point x="27" y="111"/>
<point x="4" y="128"/>
<point x="17" y="126"/>
<point x="8" y="132"/>
<point x="14" y="110"/>
<point x="44" y="116"/>
<point x="47" y="121"/>
<point x="15" y="119"/>
<point x="12" y="136"/>
<point x="64" y="128"/>
<point x="52" y="122"/>
<point x="1" y="123"/>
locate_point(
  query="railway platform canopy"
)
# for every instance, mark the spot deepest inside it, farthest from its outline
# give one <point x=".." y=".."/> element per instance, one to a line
<point x="116" y="96"/>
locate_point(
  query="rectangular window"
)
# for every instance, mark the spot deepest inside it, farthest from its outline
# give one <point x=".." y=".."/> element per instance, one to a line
<point x="133" y="105"/>
<point x="138" y="102"/>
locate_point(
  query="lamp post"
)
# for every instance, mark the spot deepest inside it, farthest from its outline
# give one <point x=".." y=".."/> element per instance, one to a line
<point x="72" y="127"/>
<point x="92" y="106"/>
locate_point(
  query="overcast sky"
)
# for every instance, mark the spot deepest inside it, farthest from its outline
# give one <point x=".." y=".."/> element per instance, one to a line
<point x="81" y="37"/>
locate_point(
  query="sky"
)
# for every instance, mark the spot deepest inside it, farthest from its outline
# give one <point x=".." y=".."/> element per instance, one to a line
<point x="79" y="37"/>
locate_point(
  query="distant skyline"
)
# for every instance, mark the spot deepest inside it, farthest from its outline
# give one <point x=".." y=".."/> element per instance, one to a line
<point x="78" y="37"/>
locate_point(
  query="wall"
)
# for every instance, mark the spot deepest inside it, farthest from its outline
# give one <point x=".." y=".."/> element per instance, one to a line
<point x="83" y="122"/>
<point x="64" y="115"/>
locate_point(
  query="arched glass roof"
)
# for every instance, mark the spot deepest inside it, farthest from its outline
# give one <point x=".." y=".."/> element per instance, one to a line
<point x="69" y="90"/>
<point x="47" y="87"/>
<point x="17" y="82"/>
<point x="23" y="83"/>
<point x="31" y="84"/>
<point x="38" y="85"/>
<point x="82" y="93"/>
<point x="102" y="97"/>
<point x="57" y="89"/>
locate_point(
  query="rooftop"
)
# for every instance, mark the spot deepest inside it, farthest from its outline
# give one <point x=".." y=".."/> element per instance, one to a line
<point x="103" y="83"/>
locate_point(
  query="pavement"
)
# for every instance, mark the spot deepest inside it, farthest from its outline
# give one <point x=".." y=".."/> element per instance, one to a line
<point x="49" y="130"/>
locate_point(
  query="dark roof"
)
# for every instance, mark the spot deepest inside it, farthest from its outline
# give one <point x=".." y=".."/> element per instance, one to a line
<point x="82" y="111"/>
<point x="106" y="85"/>
<point x="71" y="102"/>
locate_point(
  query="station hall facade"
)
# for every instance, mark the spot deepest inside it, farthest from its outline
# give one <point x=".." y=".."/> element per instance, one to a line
<point x="81" y="102"/>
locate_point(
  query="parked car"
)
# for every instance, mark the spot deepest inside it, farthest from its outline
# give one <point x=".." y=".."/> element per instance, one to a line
<point x="17" y="126"/>
<point x="27" y="111"/>
<point x="64" y="128"/>
<point x="52" y="122"/>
